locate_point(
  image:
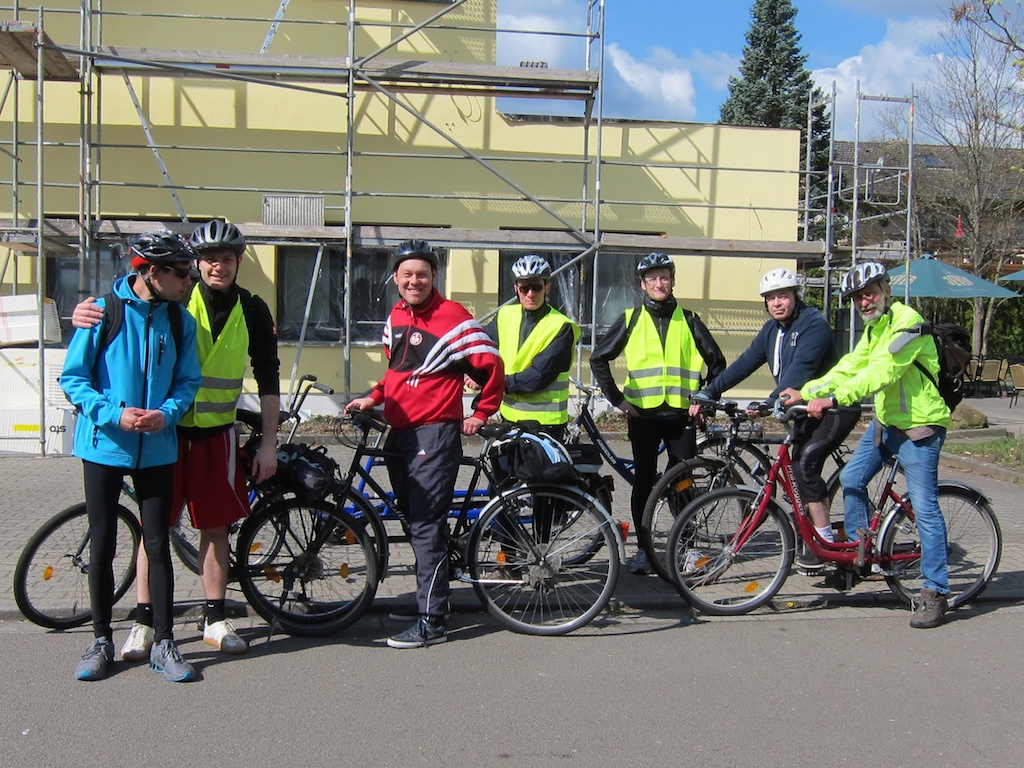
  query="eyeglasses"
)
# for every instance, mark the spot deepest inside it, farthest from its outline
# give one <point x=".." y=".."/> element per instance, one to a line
<point x="525" y="288"/>
<point x="183" y="272"/>
<point x="655" y="279"/>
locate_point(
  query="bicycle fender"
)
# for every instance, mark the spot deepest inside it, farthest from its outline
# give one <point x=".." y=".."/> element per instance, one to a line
<point x="976" y="494"/>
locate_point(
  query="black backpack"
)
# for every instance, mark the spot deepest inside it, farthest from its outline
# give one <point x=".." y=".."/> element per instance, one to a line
<point x="953" y="345"/>
<point x="113" y="319"/>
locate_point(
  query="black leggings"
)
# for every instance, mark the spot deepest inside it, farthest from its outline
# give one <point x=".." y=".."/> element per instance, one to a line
<point x="646" y="435"/>
<point x="153" y="490"/>
<point x="818" y="438"/>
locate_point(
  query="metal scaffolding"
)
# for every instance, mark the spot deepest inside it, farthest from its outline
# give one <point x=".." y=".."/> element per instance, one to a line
<point x="297" y="216"/>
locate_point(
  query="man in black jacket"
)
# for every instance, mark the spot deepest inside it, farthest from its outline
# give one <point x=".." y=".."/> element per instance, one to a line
<point x="666" y="348"/>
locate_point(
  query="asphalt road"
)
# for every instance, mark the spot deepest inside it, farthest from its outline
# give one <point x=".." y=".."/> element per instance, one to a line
<point x="818" y="679"/>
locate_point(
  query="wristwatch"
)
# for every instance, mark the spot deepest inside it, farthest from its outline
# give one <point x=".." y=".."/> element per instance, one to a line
<point x="835" y="403"/>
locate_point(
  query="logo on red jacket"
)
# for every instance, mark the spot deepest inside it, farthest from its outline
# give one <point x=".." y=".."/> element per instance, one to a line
<point x="416" y="338"/>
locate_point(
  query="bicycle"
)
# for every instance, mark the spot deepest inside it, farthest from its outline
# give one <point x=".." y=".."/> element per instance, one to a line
<point x="731" y="550"/>
<point x="528" y="551"/>
<point x="740" y="447"/>
<point x="51" y="585"/>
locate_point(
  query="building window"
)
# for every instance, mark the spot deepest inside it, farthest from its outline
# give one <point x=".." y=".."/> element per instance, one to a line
<point x="326" y="314"/>
<point x="573" y="288"/>
<point x="70" y="279"/>
<point x="617" y="287"/>
<point x="567" y="285"/>
<point x="373" y="293"/>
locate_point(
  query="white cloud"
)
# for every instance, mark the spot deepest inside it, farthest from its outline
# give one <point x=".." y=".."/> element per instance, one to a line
<point x="535" y="17"/>
<point x="899" y="65"/>
<point x="663" y="85"/>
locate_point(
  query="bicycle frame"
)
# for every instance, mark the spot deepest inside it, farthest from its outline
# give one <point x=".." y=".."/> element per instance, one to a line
<point x="854" y="555"/>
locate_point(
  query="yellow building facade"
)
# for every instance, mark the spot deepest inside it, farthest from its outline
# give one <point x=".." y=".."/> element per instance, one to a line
<point x="330" y="131"/>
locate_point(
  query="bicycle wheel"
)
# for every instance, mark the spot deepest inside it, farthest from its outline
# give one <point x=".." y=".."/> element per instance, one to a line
<point x="524" y="556"/>
<point x="974" y="545"/>
<point x="51" y="579"/>
<point x="712" y="571"/>
<point x="747" y="461"/>
<point x="306" y="567"/>
<point x="679" y="485"/>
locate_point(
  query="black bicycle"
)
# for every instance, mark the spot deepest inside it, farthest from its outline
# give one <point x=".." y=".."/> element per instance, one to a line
<point x="543" y="558"/>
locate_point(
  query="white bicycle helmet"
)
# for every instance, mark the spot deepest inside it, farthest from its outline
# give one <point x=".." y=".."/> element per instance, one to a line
<point x="531" y="266"/>
<point x="779" y="280"/>
<point x="863" y="275"/>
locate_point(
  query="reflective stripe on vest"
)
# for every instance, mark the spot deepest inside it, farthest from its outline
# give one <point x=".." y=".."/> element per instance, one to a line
<point x="223" y="365"/>
<point x="550" y="406"/>
<point x="657" y="373"/>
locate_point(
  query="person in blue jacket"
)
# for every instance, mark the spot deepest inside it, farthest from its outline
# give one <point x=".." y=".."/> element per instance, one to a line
<point x="798" y="345"/>
<point x="131" y="389"/>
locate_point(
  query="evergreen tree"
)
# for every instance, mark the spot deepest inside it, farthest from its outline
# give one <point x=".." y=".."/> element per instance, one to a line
<point x="773" y="89"/>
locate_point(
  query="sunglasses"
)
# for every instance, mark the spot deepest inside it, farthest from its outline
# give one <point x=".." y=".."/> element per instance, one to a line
<point x="183" y="272"/>
<point x="530" y="288"/>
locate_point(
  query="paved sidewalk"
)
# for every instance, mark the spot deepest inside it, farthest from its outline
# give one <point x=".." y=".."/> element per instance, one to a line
<point x="33" y="489"/>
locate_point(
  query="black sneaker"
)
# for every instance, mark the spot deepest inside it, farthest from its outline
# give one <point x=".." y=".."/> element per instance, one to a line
<point x="96" y="660"/>
<point x="419" y="635"/>
<point x="928" y="609"/>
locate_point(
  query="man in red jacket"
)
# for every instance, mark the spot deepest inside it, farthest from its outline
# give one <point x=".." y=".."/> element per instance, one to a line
<point x="431" y="344"/>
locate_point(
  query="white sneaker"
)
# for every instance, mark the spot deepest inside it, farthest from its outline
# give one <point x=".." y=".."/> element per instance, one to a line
<point x="222" y="635"/>
<point x="639" y="564"/>
<point x="139" y="643"/>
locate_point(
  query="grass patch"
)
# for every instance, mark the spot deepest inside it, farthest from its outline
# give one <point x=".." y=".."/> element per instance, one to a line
<point x="1004" y="451"/>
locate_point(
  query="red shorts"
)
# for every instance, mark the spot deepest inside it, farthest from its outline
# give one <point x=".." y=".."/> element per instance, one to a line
<point x="210" y="476"/>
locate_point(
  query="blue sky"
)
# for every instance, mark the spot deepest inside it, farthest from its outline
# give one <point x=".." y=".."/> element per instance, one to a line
<point x="672" y="59"/>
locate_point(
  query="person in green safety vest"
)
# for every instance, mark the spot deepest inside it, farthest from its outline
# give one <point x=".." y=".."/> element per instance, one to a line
<point x="667" y="349"/>
<point x="537" y="343"/>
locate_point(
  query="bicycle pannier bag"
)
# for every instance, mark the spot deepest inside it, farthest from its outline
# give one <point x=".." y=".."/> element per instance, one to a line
<point x="534" y="459"/>
<point x="305" y="470"/>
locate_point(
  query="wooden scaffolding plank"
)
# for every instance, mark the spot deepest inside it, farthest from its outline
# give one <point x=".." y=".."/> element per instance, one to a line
<point x="18" y="52"/>
<point x="569" y="83"/>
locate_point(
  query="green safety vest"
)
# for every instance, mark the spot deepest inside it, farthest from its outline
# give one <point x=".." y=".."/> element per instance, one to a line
<point x="550" y="406"/>
<point x="657" y="373"/>
<point x="223" y="364"/>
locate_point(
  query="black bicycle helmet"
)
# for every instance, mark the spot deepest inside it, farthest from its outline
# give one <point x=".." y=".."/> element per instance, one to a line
<point x="531" y="266"/>
<point x="414" y="249"/>
<point x="863" y="275"/>
<point x="218" y="234"/>
<point x="655" y="261"/>
<point x="161" y="248"/>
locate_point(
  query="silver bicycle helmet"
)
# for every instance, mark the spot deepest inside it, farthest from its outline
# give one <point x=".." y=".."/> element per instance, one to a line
<point x="779" y="280"/>
<point x="415" y="249"/>
<point x="655" y="261"/>
<point x="217" y="234"/>
<point x="863" y="275"/>
<point x="531" y="266"/>
<point x="161" y="248"/>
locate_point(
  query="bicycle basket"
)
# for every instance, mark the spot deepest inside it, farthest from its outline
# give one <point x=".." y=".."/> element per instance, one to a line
<point x="305" y="470"/>
<point x="532" y="459"/>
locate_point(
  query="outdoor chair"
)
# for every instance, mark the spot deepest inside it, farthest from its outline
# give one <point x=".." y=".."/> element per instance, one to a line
<point x="1016" y="382"/>
<point x="989" y="377"/>
<point x="972" y="376"/>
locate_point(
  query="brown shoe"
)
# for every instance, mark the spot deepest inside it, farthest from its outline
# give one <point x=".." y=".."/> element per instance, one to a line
<point x="928" y="609"/>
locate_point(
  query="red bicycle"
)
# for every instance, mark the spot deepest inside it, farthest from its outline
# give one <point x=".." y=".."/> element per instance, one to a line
<point x="731" y="550"/>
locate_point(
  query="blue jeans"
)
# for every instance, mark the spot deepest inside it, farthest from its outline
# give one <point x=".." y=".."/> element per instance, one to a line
<point x="920" y="462"/>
